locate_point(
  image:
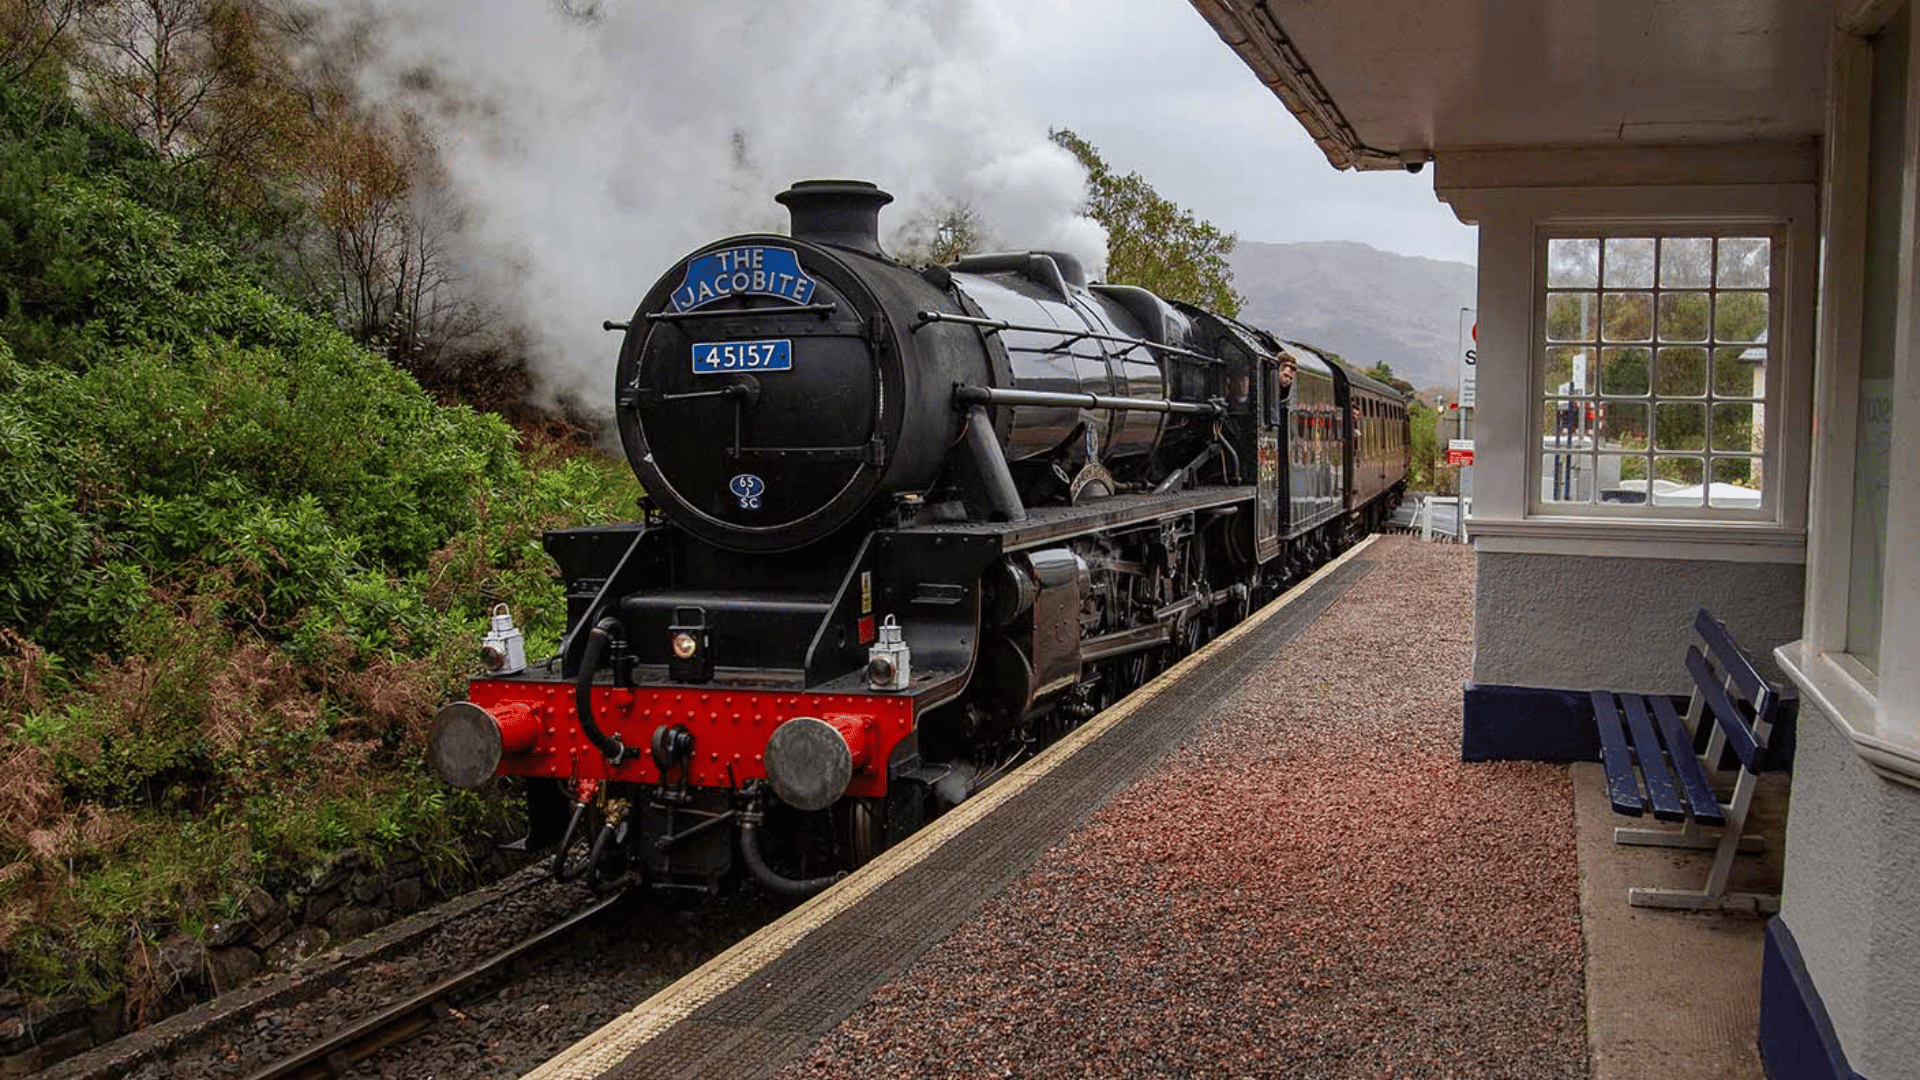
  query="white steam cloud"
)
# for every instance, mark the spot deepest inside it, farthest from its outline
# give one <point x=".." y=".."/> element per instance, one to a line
<point x="589" y="153"/>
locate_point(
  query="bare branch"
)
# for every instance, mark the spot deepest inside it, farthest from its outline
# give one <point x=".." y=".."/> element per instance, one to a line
<point x="30" y="31"/>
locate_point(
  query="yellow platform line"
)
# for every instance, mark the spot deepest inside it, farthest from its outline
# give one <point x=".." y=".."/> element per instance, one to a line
<point x="593" y="1056"/>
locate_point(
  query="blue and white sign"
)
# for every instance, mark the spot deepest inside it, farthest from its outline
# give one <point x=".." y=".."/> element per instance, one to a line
<point x="748" y="488"/>
<point x="712" y="357"/>
<point x="743" y="271"/>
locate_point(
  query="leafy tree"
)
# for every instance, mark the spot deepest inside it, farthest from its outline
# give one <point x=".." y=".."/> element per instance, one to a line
<point x="943" y="235"/>
<point x="1423" y="455"/>
<point x="1384" y="372"/>
<point x="1152" y="242"/>
<point x="151" y="65"/>
<point x="349" y="205"/>
<point x="31" y="33"/>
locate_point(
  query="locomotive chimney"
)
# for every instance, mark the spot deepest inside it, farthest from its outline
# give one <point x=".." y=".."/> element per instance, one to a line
<point x="842" y="212"/>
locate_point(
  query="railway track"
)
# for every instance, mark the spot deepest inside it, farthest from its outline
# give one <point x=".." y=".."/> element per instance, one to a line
<point x="337" y="1054"/>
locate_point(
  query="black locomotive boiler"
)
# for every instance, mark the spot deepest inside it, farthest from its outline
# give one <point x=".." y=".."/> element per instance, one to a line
<point x="904" y="525"/>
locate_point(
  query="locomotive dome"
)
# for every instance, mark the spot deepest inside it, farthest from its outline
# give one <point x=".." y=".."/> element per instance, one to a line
<point x="766" y="381"/>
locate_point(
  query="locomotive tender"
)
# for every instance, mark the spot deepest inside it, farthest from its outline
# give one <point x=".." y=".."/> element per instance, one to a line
<point x="904" y="525"/>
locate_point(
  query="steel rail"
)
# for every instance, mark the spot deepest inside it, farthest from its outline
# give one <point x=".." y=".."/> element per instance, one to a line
<point x="336" y="1054"/>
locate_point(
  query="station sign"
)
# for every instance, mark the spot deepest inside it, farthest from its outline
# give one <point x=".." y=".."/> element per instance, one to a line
<point x="1460" y="451"/>
<point x="1468" y="364"/>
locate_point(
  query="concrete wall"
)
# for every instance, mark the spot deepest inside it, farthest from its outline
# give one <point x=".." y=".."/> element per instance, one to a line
<point x="1582" y="622"/>
<point x="1852" y="898"/>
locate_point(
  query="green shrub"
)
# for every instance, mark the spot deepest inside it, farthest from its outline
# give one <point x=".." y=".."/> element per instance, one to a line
<point x="186" y="415"/>
<point x="241" y="562"/>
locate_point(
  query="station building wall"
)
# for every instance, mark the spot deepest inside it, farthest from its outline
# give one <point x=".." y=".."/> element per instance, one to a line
<point x="1848" y="909"/>
<point x="1826" y="585"/>
<point x="1618" y="623"/>
<point x="1549" y="627"/>
<point x="1580" y="588"/>
<point x="1840" y="990"/>
<point x="1602" y="596"/>
<point x="1824" y="573"/>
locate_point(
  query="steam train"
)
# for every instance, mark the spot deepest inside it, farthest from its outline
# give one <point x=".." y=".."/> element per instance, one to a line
<point x="902" y="527"/>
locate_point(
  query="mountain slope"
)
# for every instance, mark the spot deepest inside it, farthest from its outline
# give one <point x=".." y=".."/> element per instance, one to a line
<point x="1366" y="304"/>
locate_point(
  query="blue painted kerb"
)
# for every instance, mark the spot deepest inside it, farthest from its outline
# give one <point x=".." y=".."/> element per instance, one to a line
<point x="1797" y="1040"/>
<point x="1524" y="723"/>
<point x="1528" y="723"/>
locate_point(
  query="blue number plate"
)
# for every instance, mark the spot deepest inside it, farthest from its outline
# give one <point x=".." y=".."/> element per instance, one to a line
<point x="710" y="357"/>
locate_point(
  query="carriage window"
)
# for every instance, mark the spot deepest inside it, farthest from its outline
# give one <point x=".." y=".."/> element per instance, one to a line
<point x="1653" y="362"/>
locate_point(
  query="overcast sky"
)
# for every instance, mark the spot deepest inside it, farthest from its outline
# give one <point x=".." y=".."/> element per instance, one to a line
<point x="1152" y="85"/>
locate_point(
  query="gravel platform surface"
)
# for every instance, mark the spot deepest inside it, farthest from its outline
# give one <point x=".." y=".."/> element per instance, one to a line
<point x="1314" y="885"/>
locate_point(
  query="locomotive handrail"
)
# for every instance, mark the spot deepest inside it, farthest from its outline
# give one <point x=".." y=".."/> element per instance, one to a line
<point x="926" y="318"/>
<point x="822" y="310"/>
<point x="965" y="395"/>
<point x="744" y="387"/>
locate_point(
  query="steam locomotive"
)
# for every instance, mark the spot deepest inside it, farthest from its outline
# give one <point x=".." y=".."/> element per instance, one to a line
<point x="903" y="526"/>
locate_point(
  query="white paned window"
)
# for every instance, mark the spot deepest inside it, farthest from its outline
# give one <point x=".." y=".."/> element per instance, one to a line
<point x="1654" y="372"/>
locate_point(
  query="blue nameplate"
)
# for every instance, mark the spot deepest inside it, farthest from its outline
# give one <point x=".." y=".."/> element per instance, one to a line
<point x="743" y="271"/>
<point x="710" y="357"/>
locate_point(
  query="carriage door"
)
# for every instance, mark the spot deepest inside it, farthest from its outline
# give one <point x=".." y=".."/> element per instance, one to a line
<point x="1269" y="469"/>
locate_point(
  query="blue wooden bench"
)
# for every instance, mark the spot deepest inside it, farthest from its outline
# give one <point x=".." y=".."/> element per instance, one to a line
<point x="1652" y="765"/>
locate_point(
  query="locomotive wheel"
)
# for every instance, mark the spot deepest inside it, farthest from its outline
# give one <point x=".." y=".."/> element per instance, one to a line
<point x="867" y="821"/>
<point x="1192" y="636"/>
<point x="1105" y="692"/>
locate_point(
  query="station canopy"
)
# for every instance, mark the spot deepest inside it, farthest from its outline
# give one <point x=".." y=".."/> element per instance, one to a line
<point x="1383" y="84"/>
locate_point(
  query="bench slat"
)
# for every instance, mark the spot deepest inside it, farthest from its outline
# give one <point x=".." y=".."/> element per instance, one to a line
<point x="1622" y="789"/>
<point x="1729" y="657"/>
<point x="1732" y="723"/>
<point x="1700" y="796"/>
<point x="1653" y="763"/>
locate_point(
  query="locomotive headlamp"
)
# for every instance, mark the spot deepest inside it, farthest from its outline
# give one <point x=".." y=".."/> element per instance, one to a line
<point x="689" y="647"/>
<point x="504" y="649"/>
<point x="685" y="645"/>
<point x="889" y="663"/>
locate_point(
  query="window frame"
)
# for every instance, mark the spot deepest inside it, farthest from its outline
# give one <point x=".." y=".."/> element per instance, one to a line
<point x="1879" y="712"/>
<point x="1511" y="195"/>
<point x="1779" y="232"/>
